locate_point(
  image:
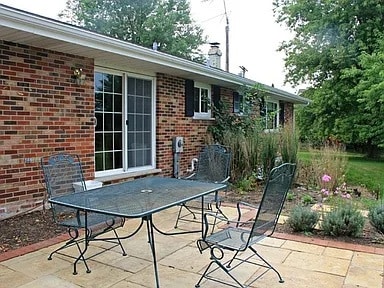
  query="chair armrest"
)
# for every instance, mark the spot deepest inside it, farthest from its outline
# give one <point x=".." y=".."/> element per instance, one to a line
<point x="241" y="205"/>
<point x="221" y="218"/>
<point x="206" y="223"/>
<point x="189" y="176"/>
<point x="225" y="180"/>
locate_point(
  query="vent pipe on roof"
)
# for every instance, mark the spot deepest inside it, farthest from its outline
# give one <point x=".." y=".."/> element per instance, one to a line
<point x="155" y="46"/>
<point x="243" y="70"/>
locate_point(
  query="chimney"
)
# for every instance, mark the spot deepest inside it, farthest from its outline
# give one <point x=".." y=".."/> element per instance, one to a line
<point x="214" y="55"/>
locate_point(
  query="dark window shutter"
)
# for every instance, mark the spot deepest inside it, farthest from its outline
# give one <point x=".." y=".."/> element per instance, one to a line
<point x="189" y="94"/>
<point x="262" y="107"/>
<point x="236" y="102"/>
<point x="281" y="114"/>
<point x="216" y="96"/>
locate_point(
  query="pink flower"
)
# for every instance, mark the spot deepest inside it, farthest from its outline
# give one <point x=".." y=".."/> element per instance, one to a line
<point x="346" y="195"/>
<point x="336" y="191"/>
<point x="326" y="178"/>
<point x="325" y="192"/>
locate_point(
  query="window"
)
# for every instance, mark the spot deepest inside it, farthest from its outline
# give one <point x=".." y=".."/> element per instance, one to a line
<point x="202" y="101"/>
<point x="109" y="116"/>
<point x="271" y="115"/>
<point x="124" y="129"/>
<point x="238" y="103"/>
<point x="139" y="122"/>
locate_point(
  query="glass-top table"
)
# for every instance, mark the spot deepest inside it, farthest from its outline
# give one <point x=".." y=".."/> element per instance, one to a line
<point x="139" y="198"/>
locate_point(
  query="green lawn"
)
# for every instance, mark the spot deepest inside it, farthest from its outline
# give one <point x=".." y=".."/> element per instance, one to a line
<point x="365" y="171"/>
<point x="360" y="171"/>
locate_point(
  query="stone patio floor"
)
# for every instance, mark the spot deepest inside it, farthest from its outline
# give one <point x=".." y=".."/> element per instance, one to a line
<point x="302" y="261"/>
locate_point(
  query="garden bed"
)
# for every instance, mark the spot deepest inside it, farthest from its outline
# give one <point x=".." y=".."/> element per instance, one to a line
<point x="37" y="226"/>
<point x="26" y="229"/>
<point x="370" y="235"/>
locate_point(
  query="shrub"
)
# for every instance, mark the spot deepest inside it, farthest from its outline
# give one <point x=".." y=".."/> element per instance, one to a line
<point x="289" y="144"/>
<point x="244" y="184"/>
<point x="376" y="217"/>
<point x="302" y="219"/>
<point x="307" y="200"/>
<point x="329" y="160"/>
<point x="268" y="151"/>
<point x="345" y="220"/>
<point x="290" y="196"/>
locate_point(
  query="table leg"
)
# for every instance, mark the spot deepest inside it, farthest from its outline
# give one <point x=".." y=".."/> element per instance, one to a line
<point x="202" y="218"/>
<point x="151" y="240"/>
<point x="81" y="256"/>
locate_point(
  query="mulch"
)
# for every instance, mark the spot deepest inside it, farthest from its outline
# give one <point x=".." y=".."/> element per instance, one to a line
<point x="26" y="229"/>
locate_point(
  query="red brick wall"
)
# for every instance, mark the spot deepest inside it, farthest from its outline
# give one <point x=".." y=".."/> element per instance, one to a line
<point x="288" y="113"/>
<point x="42" y="111"/>
<point x="172" y="122"/>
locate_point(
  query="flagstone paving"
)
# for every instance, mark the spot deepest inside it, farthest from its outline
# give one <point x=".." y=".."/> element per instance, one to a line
<point x="303" y="262"/>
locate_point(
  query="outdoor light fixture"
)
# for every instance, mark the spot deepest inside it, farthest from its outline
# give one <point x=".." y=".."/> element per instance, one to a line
<point x="79" y="76"/>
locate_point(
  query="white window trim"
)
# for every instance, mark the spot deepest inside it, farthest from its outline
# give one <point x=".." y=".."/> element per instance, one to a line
<point x="207" y="115"/>
<point x="238" y="111"/>
<point x="244" y="107"/>
<point x="153" y="156"/>
<point x="125" y="170"/>
<point x="277" y="115"/>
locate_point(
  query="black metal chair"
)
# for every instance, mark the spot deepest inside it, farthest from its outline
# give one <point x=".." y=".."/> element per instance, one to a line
<point x="63" y="175"/>
<point x="240" y="235"/>
<point x="213" y="166"/>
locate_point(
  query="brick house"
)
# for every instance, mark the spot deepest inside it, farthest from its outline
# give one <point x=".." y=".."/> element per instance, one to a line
<point x="117" y="105"/>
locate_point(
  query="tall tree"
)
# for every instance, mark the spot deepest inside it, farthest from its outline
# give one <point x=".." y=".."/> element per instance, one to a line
<point x="332" y="41"/>
<point x="142" y="22"/>
<point x="369" y="93"/>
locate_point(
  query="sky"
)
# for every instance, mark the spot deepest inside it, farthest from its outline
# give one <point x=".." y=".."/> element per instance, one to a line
<point x="253" y="34"/>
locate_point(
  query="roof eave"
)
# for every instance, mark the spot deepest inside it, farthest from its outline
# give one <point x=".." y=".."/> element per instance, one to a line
<point x="53" y="29"/>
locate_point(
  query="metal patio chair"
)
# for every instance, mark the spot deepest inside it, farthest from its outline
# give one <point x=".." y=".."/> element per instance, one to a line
<point x="213" y="166"/>
<point x="62" y="173"/>
<point x="241" y="235"/>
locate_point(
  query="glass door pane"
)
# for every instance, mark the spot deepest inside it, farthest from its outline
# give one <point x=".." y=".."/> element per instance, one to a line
<point x="108" y="113"/>
<point x="139" y="122"/>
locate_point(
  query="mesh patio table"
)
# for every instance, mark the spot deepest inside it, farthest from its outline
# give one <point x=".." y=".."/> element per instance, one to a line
<point x="140" y="198"/>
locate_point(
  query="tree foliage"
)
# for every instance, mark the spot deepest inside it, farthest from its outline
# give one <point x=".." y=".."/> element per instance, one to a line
<point x="142" y="22"/>
<point x="337" y="49"/>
